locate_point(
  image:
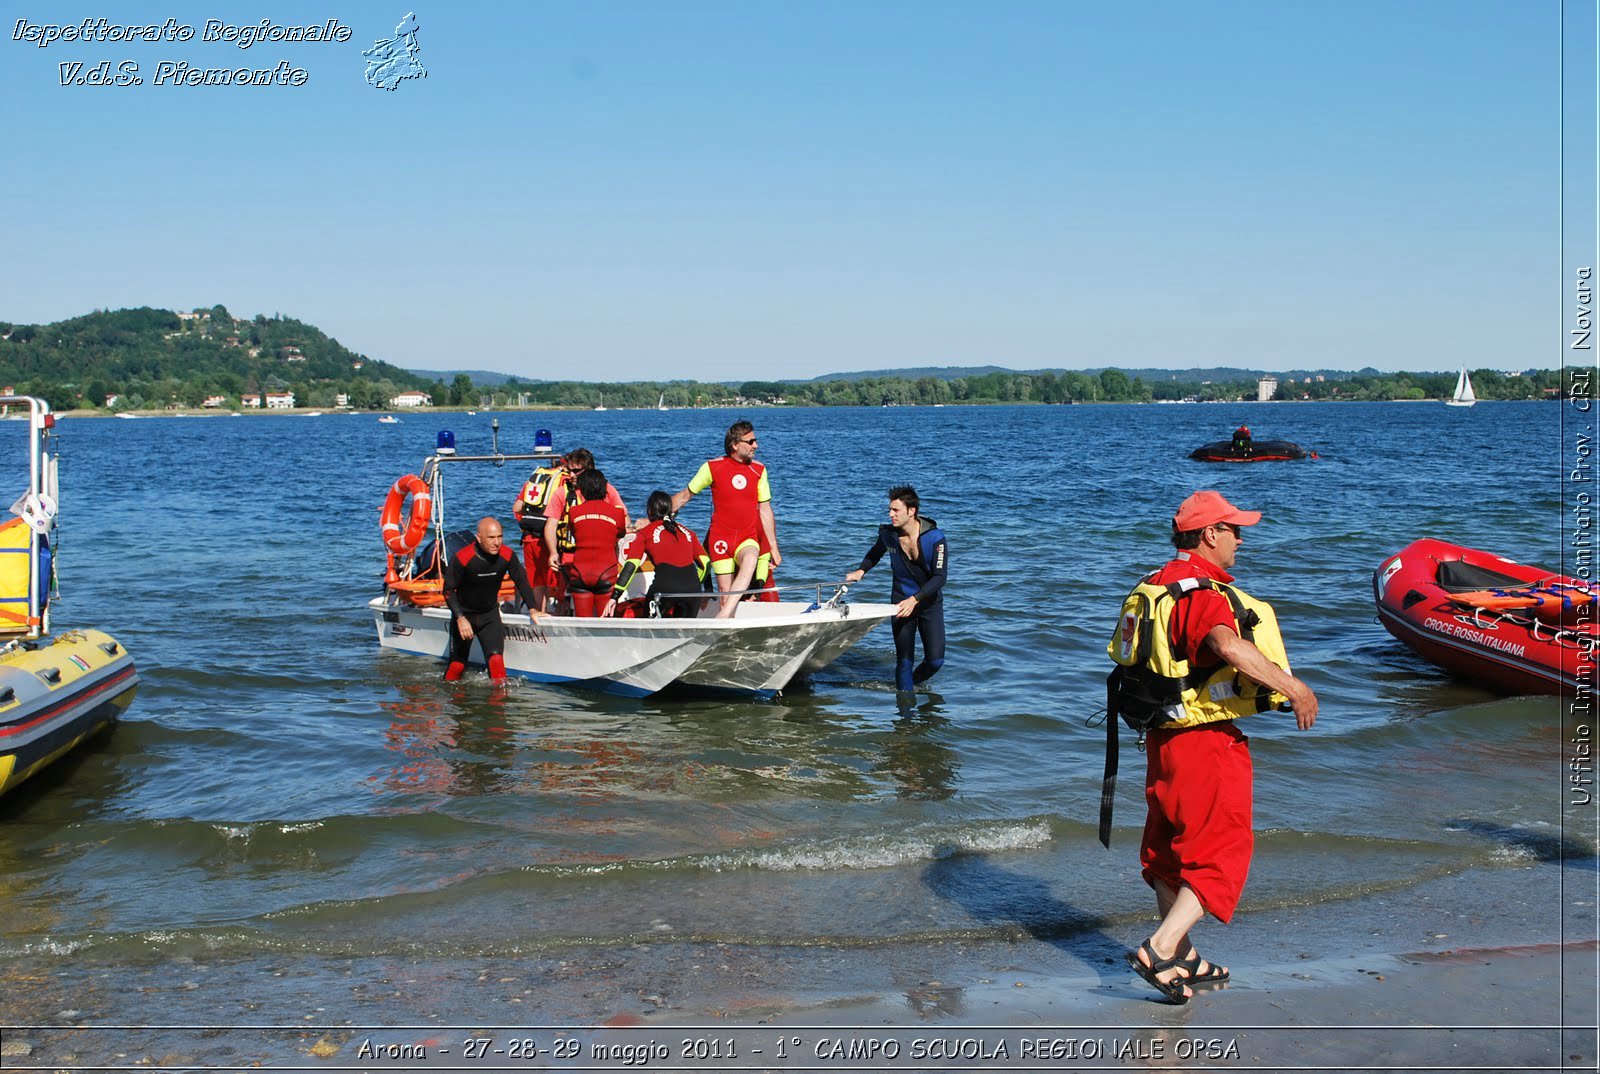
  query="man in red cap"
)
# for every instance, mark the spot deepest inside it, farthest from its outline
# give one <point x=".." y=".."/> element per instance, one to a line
<point x="1221" y="652"/>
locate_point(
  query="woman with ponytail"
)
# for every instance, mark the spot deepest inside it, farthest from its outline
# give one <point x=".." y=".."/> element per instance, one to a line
<point x="679" y="559"/>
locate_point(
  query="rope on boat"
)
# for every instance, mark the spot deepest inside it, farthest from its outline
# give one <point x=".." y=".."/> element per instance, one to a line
<point x="1563" y="637"/>
<point x="1542" y="594"/>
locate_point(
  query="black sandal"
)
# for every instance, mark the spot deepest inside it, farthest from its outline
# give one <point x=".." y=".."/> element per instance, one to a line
<point x="1175" y="990"/>
<point x="1191" y="967"/>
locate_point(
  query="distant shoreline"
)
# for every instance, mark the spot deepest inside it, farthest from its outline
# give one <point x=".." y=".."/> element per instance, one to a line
<point x="197" y="412"/>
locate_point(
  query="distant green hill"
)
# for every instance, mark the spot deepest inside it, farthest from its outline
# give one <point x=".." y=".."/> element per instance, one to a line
<point x="484" y="378"/>
<point x="156" y="357"/>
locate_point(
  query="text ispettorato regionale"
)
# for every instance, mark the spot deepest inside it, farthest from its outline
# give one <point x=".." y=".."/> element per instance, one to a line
<point x="102" y="30"/>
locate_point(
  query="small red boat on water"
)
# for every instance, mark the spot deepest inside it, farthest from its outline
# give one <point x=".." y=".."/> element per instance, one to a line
<point x="1516" y="628"/>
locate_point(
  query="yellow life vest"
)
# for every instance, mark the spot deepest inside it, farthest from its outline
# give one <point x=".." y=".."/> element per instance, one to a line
<point x="1159" y="688"/>
<point x="566" y="540"/>
<point x="540" y="486"/>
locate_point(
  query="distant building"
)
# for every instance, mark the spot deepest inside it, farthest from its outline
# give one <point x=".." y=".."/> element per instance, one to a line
<point x="250" y="400"/>
<point x="342" y="399"/>
<point x="411" y="399"/>
<point x="1266" y="388"/>
<point x="355" y="365"/>
<point x="280" y="400"/>
<point x="112" y="400"/>
<point x="214" y="401"/>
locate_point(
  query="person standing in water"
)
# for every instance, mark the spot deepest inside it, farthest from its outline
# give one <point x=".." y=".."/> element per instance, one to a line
<point x="920" y="567"/>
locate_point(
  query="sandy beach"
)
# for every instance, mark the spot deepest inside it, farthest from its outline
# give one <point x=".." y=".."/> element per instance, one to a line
<point x="1468" y="972"/>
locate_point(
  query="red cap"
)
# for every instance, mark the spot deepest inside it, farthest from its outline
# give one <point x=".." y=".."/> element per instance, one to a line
<point x="1207" y="509"/>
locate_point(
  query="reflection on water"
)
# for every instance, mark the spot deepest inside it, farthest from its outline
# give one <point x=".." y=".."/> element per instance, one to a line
<point x="465" y="740"/>
<point x="918" y="756"/>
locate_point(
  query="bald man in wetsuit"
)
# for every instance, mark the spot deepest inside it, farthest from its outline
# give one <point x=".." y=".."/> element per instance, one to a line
<point x="472" y="580"/>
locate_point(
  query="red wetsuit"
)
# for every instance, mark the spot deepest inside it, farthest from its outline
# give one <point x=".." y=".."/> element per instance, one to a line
<point x="680" y="565"/>
<point x="597" y="525"/>
<point x="738" y="489"/>
<point x="1198" y="779"/>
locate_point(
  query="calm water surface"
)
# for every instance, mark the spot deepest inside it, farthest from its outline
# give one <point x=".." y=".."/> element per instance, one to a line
<point x="281" y="785"/>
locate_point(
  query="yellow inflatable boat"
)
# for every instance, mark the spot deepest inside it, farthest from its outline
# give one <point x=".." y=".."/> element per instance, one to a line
<point x="54" y="692"/>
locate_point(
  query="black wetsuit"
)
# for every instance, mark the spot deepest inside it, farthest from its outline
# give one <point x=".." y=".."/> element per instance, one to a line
<point x="924" y="579"/>
<point x="472" y="590"/>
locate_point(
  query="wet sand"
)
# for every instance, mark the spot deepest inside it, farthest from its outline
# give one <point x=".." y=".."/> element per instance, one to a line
<point x="1469" y="971"/>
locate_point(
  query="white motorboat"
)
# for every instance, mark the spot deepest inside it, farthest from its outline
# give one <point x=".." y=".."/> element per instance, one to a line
<point x="388" y="419"/>
<point x="1463" y="395"/>
<point x="764" y="648"/>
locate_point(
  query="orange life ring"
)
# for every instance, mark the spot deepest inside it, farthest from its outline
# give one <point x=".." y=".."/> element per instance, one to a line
<point x="402" y="542"/>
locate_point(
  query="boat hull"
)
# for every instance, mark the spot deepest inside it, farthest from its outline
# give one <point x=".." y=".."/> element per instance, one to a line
<point x="1515" y="653"/>
<point x="762" y="650"/>
<point x="1258" y="451"/>
<point x="56" y="695"/>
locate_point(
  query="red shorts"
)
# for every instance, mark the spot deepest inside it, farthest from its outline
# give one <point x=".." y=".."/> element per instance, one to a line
<point x="1198" y="831"/>
<point x="536" y="561"/>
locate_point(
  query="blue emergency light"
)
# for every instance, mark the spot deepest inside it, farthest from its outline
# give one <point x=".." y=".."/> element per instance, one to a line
<point x="446" y="443"/>
<point x="542" y="441"/>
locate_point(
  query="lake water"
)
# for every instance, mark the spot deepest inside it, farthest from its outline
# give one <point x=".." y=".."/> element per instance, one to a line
<point x="283" y="793"/>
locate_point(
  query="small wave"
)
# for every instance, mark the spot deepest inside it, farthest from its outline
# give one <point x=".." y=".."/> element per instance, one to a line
<point x="884" y="851"/>
<point x="887" y="851"/>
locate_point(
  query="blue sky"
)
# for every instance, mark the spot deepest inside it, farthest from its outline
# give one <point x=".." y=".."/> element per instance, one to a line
<point x="610" y="190"/>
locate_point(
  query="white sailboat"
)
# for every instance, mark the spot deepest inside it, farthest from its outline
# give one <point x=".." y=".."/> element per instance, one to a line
<point x="602" y="405"/>
<point x="1463" y="395"/>
<point x="661" y="404"/>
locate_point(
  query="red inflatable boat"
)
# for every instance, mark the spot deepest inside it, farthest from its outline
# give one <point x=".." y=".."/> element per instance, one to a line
<point x="1516" y="628"/>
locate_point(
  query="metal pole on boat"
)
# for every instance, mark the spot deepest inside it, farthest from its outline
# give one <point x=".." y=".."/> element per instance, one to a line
<point x="494" y="431"/>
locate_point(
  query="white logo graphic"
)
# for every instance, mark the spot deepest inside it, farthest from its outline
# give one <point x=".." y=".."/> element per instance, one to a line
<point x="1128" y="634"/>
<point x="739" y="481"/>
<point x="36" y="511"/>
<point x="1388" y="573"/>
<point x="719" y="547"/>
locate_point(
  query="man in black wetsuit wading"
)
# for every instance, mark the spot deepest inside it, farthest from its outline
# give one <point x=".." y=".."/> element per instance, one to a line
<point x="472" y="580"/>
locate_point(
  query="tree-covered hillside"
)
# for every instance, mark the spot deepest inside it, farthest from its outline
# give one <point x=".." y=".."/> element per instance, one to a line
<point x="158" y="358"/>
<point x="151" y="358"/>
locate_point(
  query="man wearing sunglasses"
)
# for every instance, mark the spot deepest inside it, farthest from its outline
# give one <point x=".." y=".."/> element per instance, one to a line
<point x="741" y="514"/>
<point x="1218" y="652"/>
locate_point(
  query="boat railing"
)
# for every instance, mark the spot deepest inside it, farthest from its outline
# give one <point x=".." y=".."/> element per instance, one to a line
<point x="37" y="508"/>
<point x="835" y="600"/>
<point x="430" y="469"/>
